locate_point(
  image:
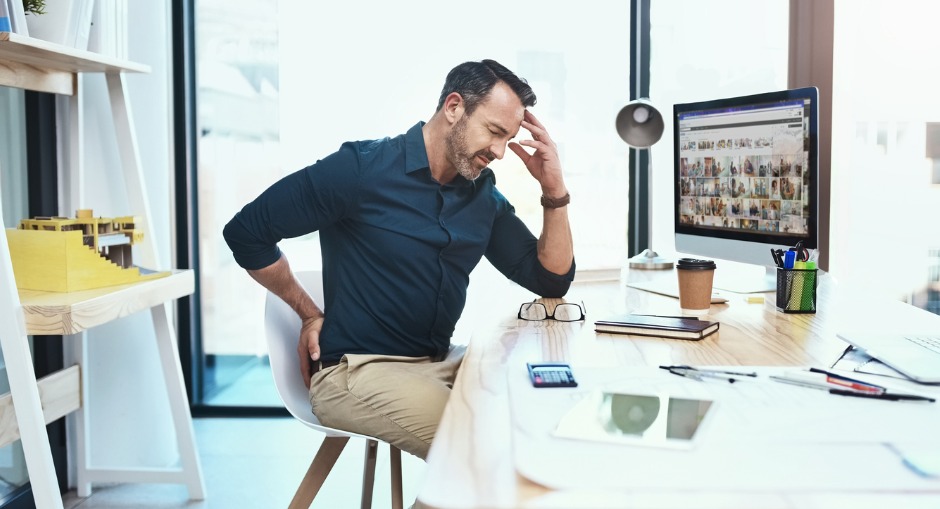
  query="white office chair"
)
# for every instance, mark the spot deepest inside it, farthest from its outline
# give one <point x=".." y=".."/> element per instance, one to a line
<point x="282" y="328"/>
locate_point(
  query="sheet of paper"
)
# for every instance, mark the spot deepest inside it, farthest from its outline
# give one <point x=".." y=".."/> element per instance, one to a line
<point x="763" y="435"/>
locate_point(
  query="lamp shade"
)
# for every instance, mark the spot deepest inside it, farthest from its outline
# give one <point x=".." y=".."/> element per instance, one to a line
<point x="640" y="124"/>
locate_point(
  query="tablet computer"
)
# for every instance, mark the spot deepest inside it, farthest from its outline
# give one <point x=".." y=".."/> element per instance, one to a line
<point x="655" y="420"/>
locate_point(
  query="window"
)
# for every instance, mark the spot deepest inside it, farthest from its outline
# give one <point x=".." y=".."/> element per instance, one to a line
<point x="884" y="200"/>
<point x="933" y="150"/>
<point x="13" y="187"/>
<point x="282" y="84"/>
<point x="708" y="50"/>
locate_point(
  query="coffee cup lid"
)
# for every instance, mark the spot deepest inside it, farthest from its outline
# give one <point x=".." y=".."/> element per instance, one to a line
<point x="694" y="264"/>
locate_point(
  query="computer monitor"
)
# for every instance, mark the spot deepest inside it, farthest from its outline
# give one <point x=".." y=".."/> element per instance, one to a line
<point x="746" y="173"/>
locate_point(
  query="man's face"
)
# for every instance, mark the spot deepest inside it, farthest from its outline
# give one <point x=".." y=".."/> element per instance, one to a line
<point x="477" y="139"/>
<point x="469" y="164"/>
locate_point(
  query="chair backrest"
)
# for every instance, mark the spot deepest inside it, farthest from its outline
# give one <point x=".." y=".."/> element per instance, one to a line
<point x="282" y="329"/>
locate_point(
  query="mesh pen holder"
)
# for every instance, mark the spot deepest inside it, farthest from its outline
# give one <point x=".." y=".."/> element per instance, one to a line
<point x="796" y="290"/>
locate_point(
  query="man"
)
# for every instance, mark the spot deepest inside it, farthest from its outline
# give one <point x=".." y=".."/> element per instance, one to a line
<point x="402" y="223"/>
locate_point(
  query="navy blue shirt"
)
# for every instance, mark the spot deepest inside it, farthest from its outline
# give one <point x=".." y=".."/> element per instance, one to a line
<point x="397" y="246"/>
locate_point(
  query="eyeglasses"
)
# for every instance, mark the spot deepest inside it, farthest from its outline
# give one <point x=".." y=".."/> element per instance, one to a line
<point x="564" y="312"/>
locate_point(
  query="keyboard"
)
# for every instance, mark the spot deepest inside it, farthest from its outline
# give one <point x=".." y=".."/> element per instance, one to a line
<point x="928" y="342"/>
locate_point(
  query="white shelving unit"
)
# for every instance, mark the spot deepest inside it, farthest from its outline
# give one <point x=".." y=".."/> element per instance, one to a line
<point x="37" y="65"/>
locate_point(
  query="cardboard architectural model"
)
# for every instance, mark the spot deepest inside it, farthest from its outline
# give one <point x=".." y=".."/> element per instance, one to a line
<point x="59" y="254"/>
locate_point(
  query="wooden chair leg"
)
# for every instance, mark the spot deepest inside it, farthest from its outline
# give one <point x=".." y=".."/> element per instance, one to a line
<point x="319" y="468"/>
<point x="368" y="473"/>
<point x="395" y="460"/>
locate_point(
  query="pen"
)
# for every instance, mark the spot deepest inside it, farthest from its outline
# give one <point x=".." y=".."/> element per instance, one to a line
<point x="789" y="258"/>
<point x="802" y="254"/>
<point x="883" y="395"/>
<point x="807" y="379"/>
<point x="812" y="384"/>
<point x="700" y="370"/>
<point x="687" y="374"/>
<point x="735" y="373"/>
<point x="697" y="374"/>
<point x="719" y="376"/>
<point x="777" y="255"/>
<point x="838" y="379"/>
<point x="857" y="394"/>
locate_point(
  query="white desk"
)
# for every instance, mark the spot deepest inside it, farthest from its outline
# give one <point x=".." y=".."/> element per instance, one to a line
<point x="471" y="462"/>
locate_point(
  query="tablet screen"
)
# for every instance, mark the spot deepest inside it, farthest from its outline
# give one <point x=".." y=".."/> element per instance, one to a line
<point x="658" y="420"/>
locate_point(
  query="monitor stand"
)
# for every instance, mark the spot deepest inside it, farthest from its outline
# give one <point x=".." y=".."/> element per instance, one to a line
<point x="752" y="279"/>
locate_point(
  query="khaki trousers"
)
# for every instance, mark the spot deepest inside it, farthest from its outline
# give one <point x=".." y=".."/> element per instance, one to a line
<point x="396" y="399"/>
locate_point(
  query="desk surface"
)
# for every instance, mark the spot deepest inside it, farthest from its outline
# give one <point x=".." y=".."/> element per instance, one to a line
<point x="470" y="464"/>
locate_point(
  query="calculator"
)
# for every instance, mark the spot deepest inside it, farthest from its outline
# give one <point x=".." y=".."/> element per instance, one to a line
<point x="551" y="374"/>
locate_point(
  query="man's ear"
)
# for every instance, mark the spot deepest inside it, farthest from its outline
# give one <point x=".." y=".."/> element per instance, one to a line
<point x="453" y="107"/>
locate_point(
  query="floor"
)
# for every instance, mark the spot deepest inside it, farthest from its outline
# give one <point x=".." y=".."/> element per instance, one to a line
<point x="258" y="463"/>
<point x="242" y="381"/>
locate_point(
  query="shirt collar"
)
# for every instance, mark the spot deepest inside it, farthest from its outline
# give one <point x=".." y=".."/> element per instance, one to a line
<point x="416" y="153"/>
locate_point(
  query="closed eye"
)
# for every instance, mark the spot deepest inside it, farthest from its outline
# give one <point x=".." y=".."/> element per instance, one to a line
<point x="496" y="129"/>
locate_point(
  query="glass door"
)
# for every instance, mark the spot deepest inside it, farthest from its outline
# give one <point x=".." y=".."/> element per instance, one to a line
<point x="239" y="147"/>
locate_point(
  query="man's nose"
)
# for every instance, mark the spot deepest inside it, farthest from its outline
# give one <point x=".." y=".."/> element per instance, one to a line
<point x="498" y="149"/>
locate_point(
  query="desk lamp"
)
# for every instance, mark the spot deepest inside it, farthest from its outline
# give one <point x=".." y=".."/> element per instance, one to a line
<point x="641" y="125"/>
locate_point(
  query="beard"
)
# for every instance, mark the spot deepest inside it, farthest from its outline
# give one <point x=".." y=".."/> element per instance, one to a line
<point x="459" y="154"/>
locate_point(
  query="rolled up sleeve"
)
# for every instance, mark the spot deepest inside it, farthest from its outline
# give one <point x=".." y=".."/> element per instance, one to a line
<point x="300" y="203"/>
<point x="513" y="250"/>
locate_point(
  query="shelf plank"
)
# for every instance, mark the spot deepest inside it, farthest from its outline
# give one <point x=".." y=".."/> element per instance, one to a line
<point x="34" y="64"/>
<point x="17" y="48"/>
<point x="18" y="75"/>
<point x="59" y="394"/>
<point x="53" y="313"/>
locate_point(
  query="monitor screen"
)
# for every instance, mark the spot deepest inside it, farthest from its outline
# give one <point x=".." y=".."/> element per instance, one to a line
<point x="746" y="175"/>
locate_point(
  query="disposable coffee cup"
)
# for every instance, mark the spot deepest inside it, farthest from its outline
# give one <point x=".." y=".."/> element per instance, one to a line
<point x="695" y="285"/>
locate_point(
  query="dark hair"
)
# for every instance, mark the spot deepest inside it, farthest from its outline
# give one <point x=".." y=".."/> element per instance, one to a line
<point x="474" y="80"/>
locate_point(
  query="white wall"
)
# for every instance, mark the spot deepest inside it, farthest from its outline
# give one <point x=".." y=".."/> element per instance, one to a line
<point x="129" y="410"/>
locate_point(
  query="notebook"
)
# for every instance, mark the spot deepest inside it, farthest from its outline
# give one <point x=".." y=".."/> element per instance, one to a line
<point x="917" y="356"/>
<point x="659" y="326"/>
